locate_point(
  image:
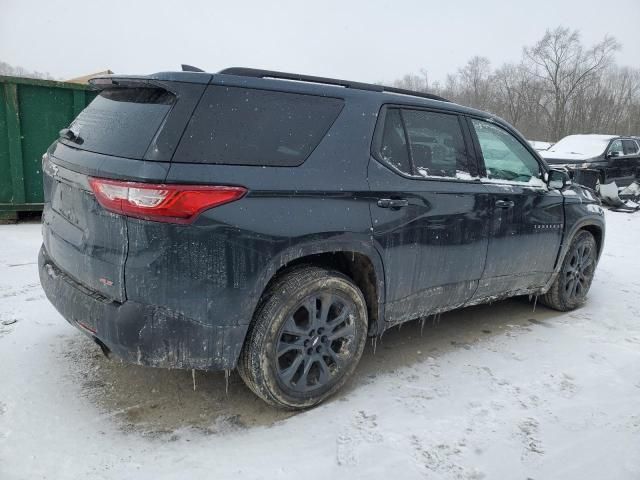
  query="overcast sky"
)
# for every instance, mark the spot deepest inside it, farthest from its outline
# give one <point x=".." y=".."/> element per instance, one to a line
<point x="375" y="40"/>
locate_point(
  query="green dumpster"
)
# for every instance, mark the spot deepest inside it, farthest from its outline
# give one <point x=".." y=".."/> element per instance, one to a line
<point x="32" y="112"/>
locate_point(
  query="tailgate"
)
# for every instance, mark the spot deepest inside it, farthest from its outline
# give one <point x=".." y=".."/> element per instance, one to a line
<point x="84" y="240"/>
<point x="128" y="132"/>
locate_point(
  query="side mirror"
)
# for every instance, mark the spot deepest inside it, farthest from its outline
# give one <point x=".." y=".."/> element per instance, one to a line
<point x="613" y="154"/>
<point x="558" y="179"/>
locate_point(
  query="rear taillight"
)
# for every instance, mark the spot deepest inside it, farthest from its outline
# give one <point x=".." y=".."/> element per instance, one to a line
<point x="160" y="202"/>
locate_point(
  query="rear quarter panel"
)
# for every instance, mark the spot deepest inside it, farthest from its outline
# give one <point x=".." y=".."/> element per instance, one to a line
<point x="215" y="270"/>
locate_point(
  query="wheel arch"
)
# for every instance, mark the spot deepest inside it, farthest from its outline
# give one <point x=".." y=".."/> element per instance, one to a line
<point x="598" y="235"/>
<point x="593" y="225"/>
<point x="359" y="261"/>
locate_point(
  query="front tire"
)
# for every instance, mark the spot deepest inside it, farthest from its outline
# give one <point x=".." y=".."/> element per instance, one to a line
<point x="572" y="284"/>
<point x="306" y="338"/>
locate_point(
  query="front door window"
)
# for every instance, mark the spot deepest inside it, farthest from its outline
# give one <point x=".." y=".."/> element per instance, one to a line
<point x="505" y="158"/>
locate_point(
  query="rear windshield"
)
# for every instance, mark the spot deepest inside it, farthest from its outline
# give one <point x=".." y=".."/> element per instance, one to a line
<point x="244" y="126"/>
<point x="121" y="121"/>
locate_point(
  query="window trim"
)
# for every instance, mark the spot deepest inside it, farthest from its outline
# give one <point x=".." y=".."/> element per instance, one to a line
<point x="376" y="143"/>
<point x="544" y="169"/>
<point x="403" y="122"/>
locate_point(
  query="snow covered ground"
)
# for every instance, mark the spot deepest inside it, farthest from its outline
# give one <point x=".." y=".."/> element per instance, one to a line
<point x="496" y="392"/>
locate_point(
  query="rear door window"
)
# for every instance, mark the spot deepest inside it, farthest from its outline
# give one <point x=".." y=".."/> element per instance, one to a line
<point x="121" y="121"/>
<point x="424" y="144"/>
<point x="630" y="147"/>
<point x="436" y="142"/>
<point x="244" y="126"/>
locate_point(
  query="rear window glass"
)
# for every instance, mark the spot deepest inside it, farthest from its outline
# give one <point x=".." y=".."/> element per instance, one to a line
<point x="121" y="121"/>
<point x="244" y="126"/>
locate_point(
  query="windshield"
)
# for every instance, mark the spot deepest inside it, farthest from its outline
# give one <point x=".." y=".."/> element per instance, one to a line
<point x="582" y="145"/>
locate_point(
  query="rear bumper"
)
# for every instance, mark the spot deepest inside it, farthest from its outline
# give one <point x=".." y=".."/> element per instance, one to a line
<point x="141" y="334"/>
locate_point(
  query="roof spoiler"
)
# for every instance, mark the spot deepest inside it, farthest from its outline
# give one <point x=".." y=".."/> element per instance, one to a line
<point x="190" y="68"/>
<point x="100" y="83"/>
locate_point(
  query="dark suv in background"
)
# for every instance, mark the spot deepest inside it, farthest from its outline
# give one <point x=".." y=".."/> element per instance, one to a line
<point x="271" y="222"/>
<point x="612" y="158"/>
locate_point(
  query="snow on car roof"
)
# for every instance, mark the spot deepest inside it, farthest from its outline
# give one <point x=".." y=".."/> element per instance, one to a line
<point x="588" y="145"/>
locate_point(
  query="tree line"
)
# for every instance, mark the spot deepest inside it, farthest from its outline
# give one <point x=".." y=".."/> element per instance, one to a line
<point x="559" y="87"/>
<point x="17" y="71"/>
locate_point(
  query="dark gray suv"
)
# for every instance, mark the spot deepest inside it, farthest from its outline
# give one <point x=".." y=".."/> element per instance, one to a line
<point x="271" y="222"/>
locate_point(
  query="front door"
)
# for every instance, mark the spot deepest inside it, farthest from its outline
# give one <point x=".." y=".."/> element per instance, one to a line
<point x="623" y="160"/>
<point x="429" y="211"/>
<point x="527" y="218"/>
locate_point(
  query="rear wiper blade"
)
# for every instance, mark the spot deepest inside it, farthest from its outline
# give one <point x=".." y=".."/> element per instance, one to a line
<point x="69" y="134"/>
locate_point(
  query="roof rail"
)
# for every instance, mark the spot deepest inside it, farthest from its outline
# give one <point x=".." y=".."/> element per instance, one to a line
<point x="402" y="91"/>
<point x="257" y="73"/>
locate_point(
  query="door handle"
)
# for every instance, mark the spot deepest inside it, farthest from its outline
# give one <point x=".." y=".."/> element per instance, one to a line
<point x="392" y="202"/>
<point x="505" y="203"/>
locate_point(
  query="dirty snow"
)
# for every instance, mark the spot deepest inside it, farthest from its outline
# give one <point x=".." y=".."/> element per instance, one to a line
<point x="497" y="391"/>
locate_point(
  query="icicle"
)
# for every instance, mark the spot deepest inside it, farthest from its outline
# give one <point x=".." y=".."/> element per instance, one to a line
<point x="226" y="381"/>
<point x="193" y="375"/>
<point x="535" y="302"/>
<point x="374" y="343"/>
<point x="422" y="325"/>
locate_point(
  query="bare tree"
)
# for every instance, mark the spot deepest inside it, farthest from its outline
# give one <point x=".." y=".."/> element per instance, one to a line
<point x="6" y="69"/>
<point x="475" y="81"/>
<point x="411" y="82"/>
<point x="512" y="84"/>
<point x="561" y="63"/>
<point x="558" y="87"/>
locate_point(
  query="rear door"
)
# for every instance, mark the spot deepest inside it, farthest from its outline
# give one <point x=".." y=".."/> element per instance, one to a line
<point x="527" y="218"/>
<point x="429" y="214"/>
<point x="128" y="132"/>
<point x="631" y="151"/>
<point x="617" y="165"/>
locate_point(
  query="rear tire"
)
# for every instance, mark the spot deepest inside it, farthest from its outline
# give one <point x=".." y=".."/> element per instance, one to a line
<point x="306" y="338"/>
<point x="572" y="284"/>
